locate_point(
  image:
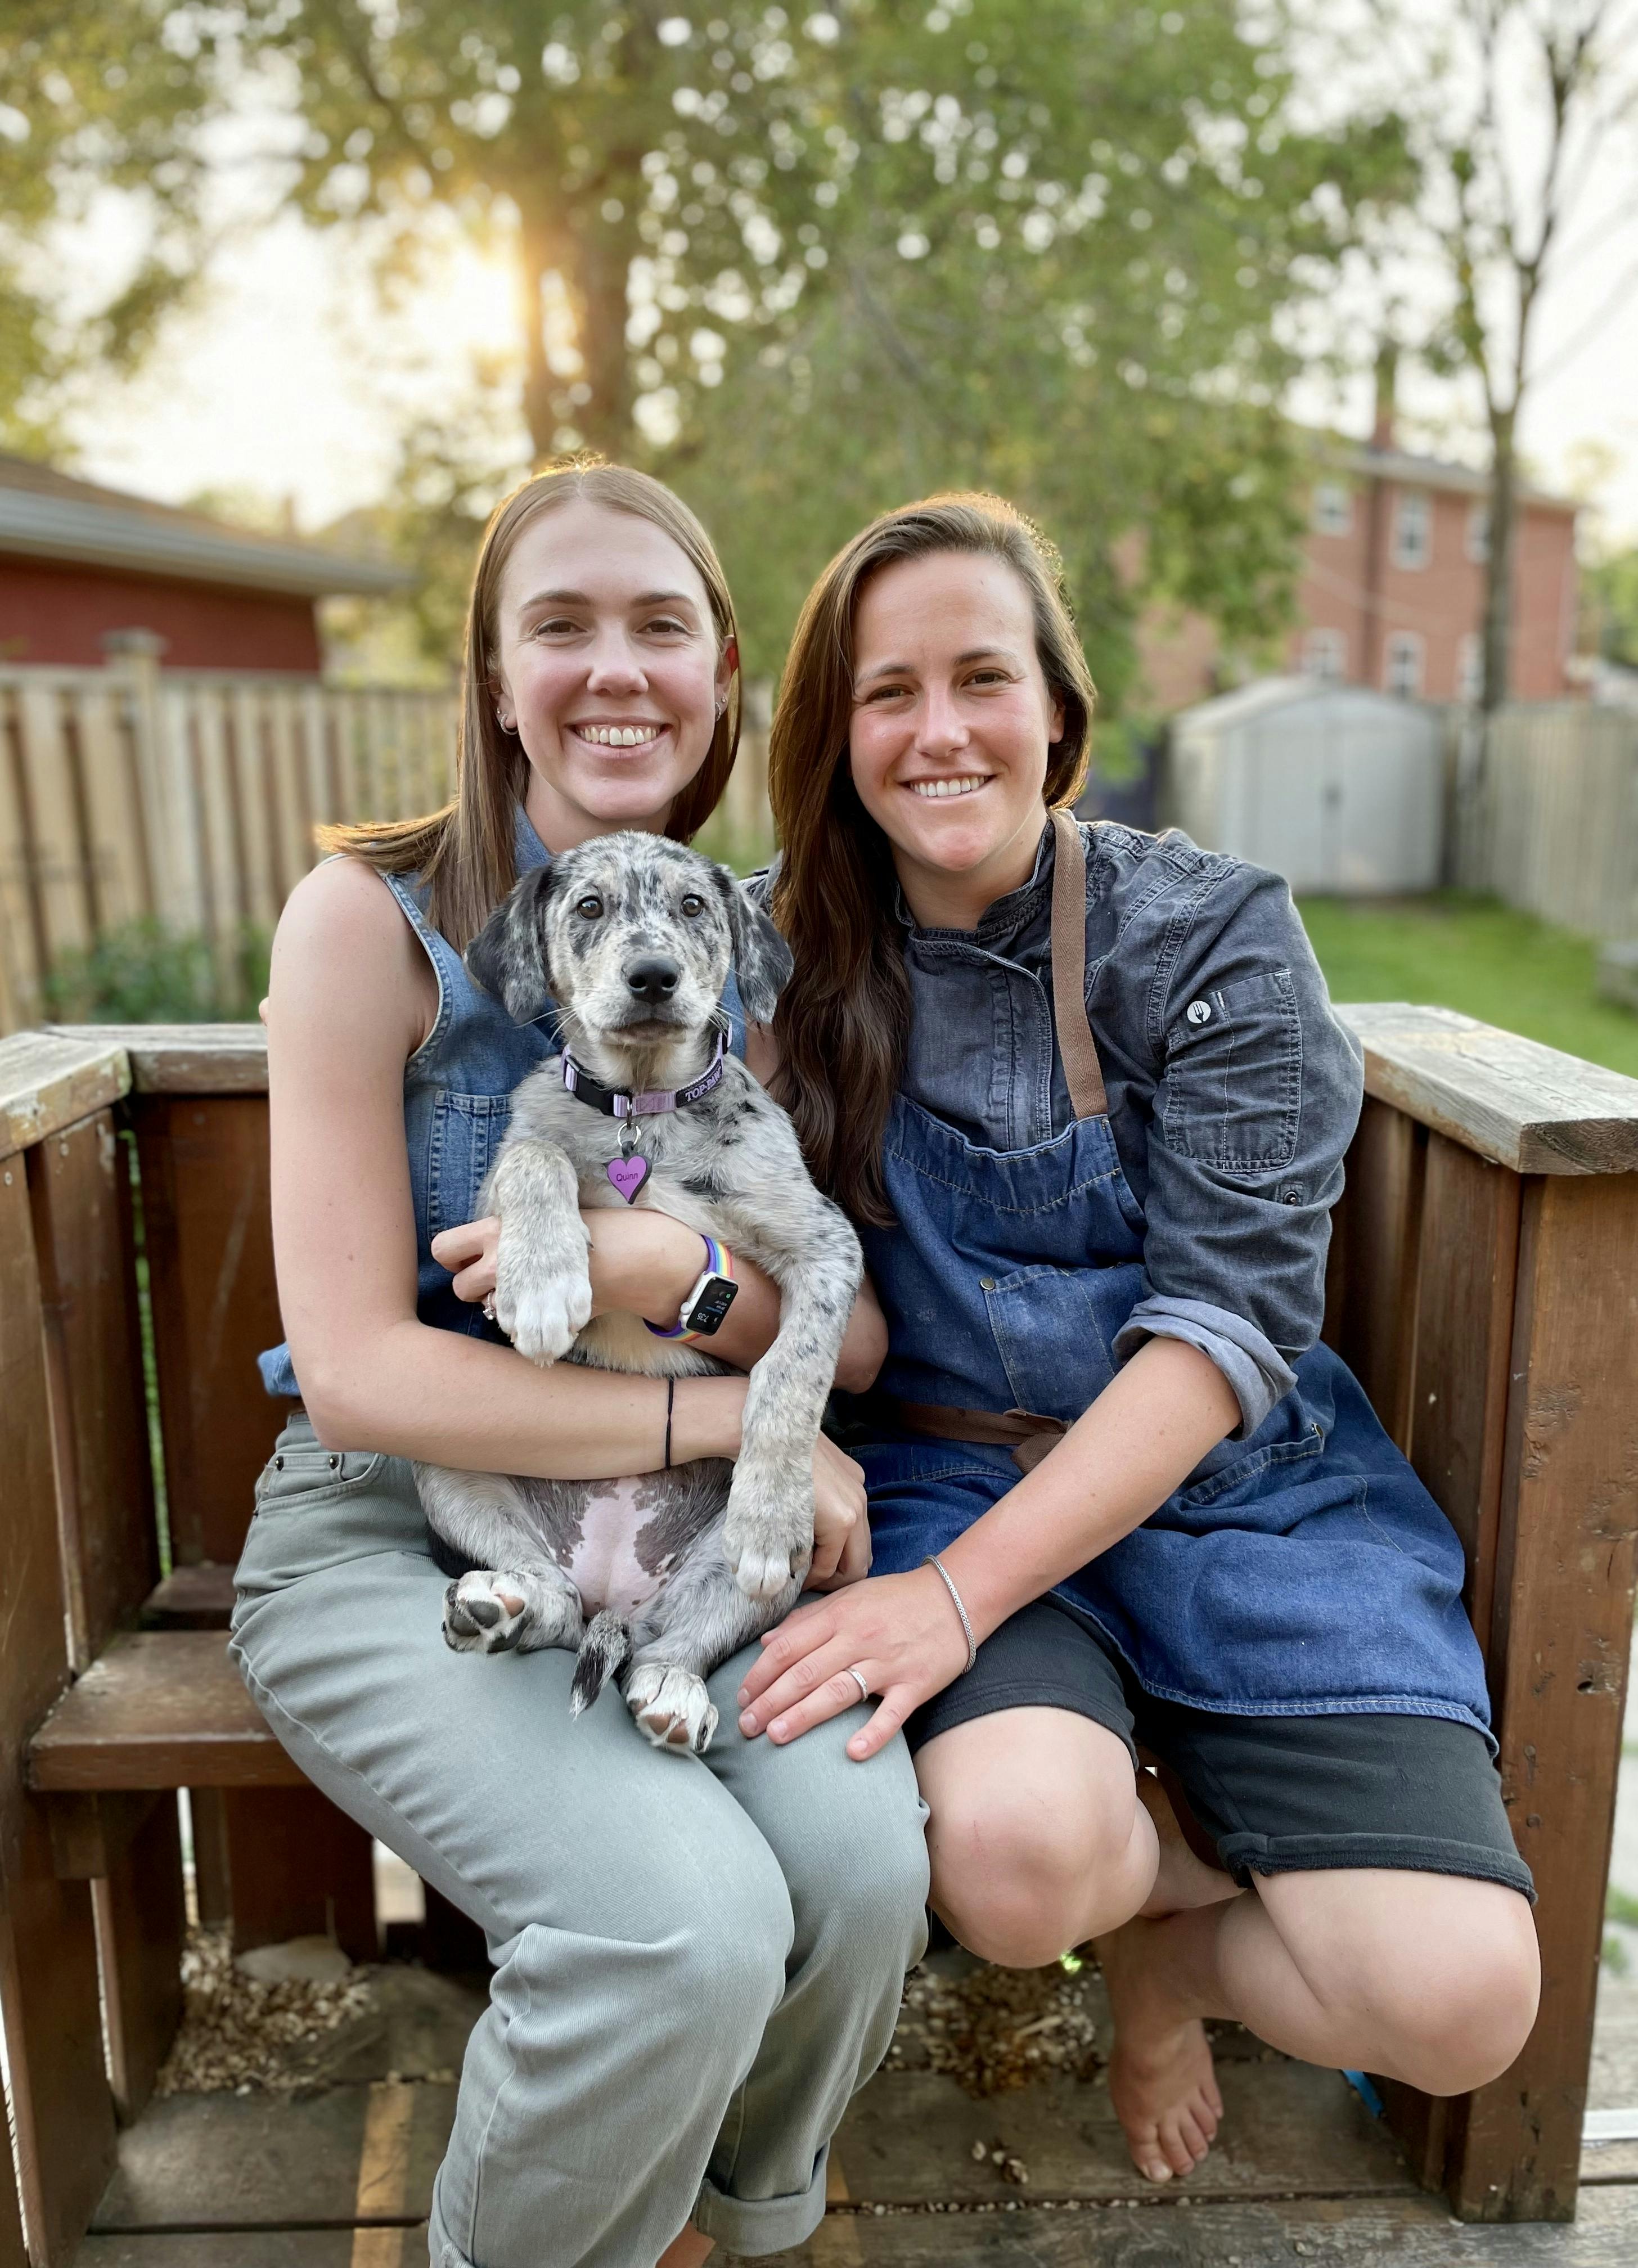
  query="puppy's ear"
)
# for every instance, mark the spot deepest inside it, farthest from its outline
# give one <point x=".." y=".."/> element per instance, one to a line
<point x="762" y="961"/>
<point x="508" y="957"/>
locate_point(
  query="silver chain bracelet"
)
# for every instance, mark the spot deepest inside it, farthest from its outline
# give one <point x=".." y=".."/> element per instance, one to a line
<point x="933" y="1560"/>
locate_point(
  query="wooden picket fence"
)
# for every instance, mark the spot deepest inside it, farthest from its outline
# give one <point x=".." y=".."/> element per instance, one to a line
<point x="186" y="796"/>
<point x="190" y="799"/>
<point x="1550" y="820"/>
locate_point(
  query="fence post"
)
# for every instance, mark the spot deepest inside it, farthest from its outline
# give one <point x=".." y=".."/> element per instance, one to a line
<point x="163" y="787"/>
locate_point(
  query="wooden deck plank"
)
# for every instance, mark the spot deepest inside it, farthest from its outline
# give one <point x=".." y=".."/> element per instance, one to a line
<point x="1400" y="2233"/>
<point x="160" y="1709"/>
<point x="909" y="2137"/>
<point x="249" y="2161"/>
<point x="277" y="2248"/>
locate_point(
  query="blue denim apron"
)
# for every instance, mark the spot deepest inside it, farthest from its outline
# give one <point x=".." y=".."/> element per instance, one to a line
<point x="1302" y="1572"/>
<point x="458" y="1088"/>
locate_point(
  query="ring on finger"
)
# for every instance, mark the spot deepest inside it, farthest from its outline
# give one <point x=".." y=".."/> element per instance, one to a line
<point x="859" y="1676"/>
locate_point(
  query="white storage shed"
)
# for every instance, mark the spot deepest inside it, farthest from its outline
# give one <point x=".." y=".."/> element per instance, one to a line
<point x="1338" y="789"/>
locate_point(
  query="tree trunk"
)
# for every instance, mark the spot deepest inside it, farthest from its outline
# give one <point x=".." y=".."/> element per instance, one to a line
<point x="1498" y="631"/>
<point x="541" y="386"/>
<point x="602" y="262"/>
<point x="593" y="262"/>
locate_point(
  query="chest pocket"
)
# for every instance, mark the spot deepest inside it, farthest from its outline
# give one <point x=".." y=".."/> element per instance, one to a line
<point x="462" y="1144"/>
<point x="1234" y="1076"/>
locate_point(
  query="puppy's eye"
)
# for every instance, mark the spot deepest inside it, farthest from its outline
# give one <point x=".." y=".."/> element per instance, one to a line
<point x="589" y="909"/>
<point x="693" y="906"/>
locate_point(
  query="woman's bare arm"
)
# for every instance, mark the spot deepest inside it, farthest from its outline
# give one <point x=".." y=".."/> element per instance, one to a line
<point x="348" y="1004"/>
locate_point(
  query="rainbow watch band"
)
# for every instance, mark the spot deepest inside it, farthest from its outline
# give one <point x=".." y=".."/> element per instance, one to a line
<point x="718" y="1262"/>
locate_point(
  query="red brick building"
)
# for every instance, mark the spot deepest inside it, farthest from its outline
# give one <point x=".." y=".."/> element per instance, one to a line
<point x="78" y="562"/>
<point x="1391" y="592"/>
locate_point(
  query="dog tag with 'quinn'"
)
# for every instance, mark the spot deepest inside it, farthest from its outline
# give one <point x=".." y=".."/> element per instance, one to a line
<point x="628" y="1175"/>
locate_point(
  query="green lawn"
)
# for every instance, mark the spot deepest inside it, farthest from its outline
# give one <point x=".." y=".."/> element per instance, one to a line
<point x="1458" y="952"/>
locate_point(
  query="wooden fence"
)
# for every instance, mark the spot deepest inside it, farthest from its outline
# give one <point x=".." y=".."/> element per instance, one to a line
<point x="187" y="795"/>
<point x="1550" y="821"/>
<point x="191" y="798"/>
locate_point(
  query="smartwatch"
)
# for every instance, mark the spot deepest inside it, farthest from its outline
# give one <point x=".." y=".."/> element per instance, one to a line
<point x="714" y="1292"/>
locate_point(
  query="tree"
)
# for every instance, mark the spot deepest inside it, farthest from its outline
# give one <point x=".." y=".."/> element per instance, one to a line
<point x="646" y="173"/>
<point x="811" y="268"/>
<point x="95" y="97"/>
<point x="1508" y="105"/>
<point x="805" y="265"/>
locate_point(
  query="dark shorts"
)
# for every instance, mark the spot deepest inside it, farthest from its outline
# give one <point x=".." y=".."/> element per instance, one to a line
<point x="1276" y="1795"/>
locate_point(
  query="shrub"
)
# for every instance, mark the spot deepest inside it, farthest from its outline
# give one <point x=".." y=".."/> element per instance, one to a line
<point x="144" y="972"/>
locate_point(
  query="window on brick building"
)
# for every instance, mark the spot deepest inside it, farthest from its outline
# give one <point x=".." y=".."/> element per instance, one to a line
<point x="1333" y="510"/>
<point x="1470" y="666"/>
<point x="1479" y="530"/>
<point x="1412" y="528"/>
<point x="1402" y="665"/>
<point x="1325" y="655"/>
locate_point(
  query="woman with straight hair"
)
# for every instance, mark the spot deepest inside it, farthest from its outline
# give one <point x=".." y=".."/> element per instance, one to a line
<point x="697" y="1960"/>
<point x="1083" y="1090"/>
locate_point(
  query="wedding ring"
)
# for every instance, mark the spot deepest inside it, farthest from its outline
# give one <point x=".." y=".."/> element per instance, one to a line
<point x="864" y="1690"/>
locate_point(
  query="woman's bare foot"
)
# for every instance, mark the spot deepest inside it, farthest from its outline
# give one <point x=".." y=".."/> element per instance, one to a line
<point x="1160" y="2074"/>
<point x="1183" y="1879"/>
<point x="687" y="2251"/>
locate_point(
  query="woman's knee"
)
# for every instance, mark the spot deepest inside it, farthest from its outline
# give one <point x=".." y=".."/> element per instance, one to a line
<point x="1036" y="1838"/>
<point x="1020" y="1884"/>
<point x="702" y="1960"/>
<point x="1441" y="1992"/>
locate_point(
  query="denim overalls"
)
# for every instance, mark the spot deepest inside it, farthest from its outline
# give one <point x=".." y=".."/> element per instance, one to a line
<point x="1302" y="1572"/>
<point x="458" y="1087"/>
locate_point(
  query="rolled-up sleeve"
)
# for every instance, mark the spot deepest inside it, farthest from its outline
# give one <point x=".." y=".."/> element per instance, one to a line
<point x="1257" y="1097"/>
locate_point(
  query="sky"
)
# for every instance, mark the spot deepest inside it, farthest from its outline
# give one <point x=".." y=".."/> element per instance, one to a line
<point x="286" y="380"/>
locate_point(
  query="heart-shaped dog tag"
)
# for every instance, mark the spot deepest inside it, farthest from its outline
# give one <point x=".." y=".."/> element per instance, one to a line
<point x="628" y="1175"/>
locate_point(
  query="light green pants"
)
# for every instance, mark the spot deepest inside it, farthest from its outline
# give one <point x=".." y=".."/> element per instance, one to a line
<point x="697" y="1960"/>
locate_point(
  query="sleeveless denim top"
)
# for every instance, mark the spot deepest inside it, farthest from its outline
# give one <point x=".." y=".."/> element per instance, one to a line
<point x="458" y="1087"/>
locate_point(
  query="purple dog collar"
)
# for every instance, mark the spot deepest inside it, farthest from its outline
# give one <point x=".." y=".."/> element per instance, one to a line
<point x="617" y="1102"/>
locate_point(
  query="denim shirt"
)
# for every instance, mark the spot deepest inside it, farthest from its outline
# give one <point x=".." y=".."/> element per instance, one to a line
<point x="1232" y="1090"/>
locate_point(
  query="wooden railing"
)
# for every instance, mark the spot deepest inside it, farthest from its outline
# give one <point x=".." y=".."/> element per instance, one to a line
<point x="1482" y="1286"/>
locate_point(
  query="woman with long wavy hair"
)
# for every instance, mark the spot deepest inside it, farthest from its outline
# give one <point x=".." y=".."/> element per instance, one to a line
<point x="1083" y="1090"/>
<point x="696" y="1960"/>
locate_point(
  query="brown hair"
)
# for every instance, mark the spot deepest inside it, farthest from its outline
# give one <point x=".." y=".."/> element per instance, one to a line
<point x="465" y="852"/>
<point x="843" y="1020"/>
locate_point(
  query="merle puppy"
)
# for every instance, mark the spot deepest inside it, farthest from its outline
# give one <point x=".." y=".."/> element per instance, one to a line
<point x="656" y="1580"/>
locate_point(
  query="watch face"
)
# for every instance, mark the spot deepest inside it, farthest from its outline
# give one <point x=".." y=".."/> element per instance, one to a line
<point x="716" y="1297"/>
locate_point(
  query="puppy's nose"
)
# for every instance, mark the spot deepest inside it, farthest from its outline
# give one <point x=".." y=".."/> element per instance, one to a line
<point x="654" y="979"/>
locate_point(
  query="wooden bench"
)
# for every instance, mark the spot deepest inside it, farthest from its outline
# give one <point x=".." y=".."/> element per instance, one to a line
<point x="1484" y="1285"/>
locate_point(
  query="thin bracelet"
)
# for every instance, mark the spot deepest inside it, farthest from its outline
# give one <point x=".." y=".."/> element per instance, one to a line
<point x="671" y="1389"/>
<point x="933" y="1560"/>
<point x="718" y="1262"/>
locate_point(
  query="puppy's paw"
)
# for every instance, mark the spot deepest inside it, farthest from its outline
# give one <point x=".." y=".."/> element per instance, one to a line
<point x="672" y="1707"/>
<point x="545" y="1318"/>
<point x="769" y="1533"/>
<point x="487" y="1613"/>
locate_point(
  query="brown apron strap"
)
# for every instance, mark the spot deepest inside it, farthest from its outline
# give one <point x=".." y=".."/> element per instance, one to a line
<point x="1076" y="1046"/>
<point x="1026" y="1434"/>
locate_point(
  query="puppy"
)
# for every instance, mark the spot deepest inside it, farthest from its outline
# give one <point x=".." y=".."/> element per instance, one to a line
<point x="655" y="1580"/>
